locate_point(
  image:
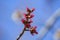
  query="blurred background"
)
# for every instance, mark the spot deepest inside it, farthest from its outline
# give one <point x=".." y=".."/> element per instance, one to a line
<point x="9" y="29"/>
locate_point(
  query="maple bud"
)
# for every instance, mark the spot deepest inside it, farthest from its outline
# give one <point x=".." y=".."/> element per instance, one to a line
<point x="28" y="16"/>
<point x="33" y="9"/>
<point x="27" y="26"/>
<point x="28" y="10"/>
<point x="33" y="30"/>
<point x="24" y="21"/>
<point x="31" y="16"/>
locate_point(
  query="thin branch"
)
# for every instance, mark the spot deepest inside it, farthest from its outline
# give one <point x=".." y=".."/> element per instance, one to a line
<point x="21" y="34"/>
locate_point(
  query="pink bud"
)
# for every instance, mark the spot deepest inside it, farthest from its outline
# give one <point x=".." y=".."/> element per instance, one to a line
<point x="27" y="26"/>
<point x="28" y="10"/>
<point x="33" y="30"/>
<point x="24" y="21"/>
<point x="31" y="16"/>
<point x="33" y="9"/>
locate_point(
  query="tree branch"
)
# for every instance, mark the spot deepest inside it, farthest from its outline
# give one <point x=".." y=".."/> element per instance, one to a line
<point x="21" y="34"/>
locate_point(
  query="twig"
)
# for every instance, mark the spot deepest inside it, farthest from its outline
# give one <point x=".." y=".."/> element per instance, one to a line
<point x="27" y="23"/>
<point x="21" y="34"/>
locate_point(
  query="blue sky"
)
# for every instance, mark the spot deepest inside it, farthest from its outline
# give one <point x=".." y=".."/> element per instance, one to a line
<point x="43" y="10"/>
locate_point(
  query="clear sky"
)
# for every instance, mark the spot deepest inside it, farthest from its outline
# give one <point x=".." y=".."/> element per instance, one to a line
<point x="43" y="10"/>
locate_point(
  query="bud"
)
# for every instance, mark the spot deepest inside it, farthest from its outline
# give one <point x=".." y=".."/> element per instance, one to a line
<point x="33" y="9"/>
<point x="27" y="26"/>
<point x="33" y="30"/>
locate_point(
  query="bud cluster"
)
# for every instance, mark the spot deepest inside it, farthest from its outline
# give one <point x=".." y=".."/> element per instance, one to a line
<point x="28" y="20"/>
